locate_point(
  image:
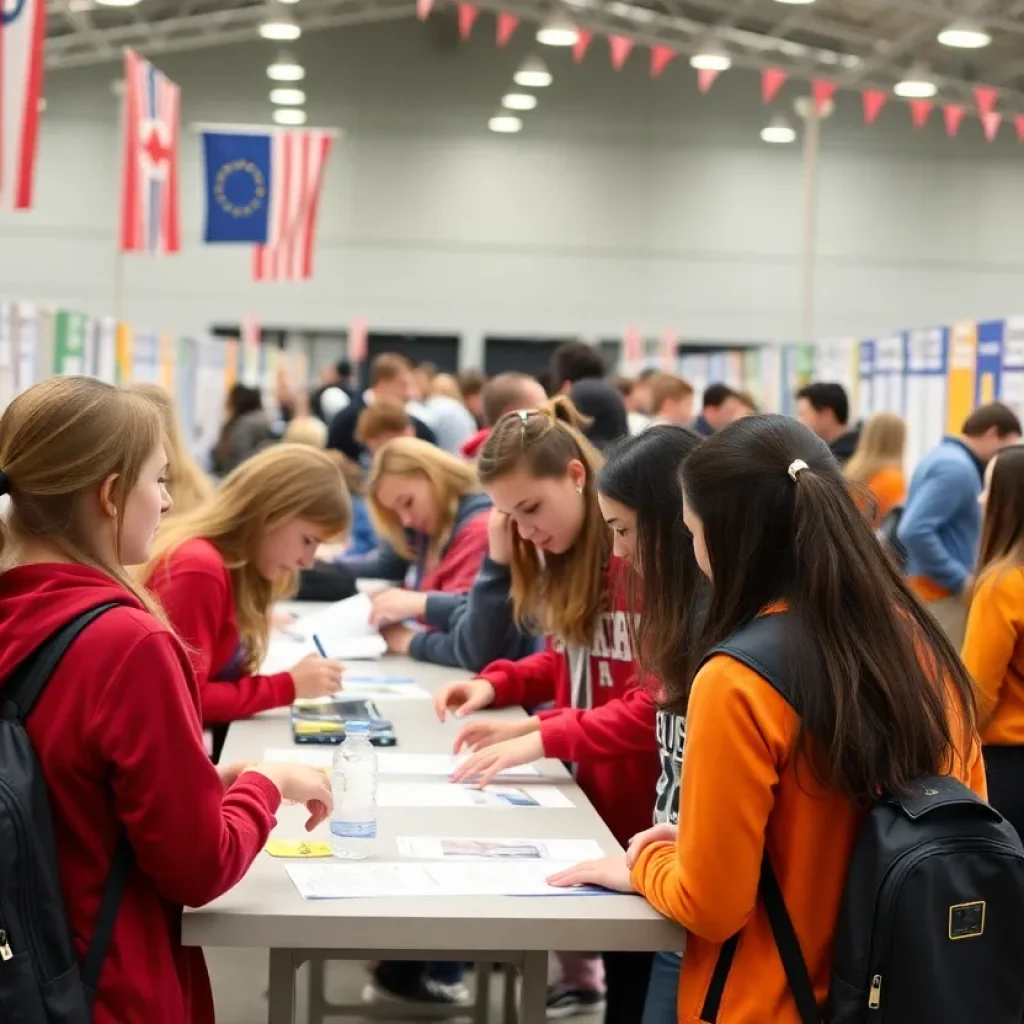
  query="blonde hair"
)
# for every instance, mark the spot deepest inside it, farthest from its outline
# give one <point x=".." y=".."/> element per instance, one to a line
<point x="59" y="441"/>
<point x="562" y="594"/>
<point x="450" y="480"/>
<point x="187" y="484"/>
<point x="445" y="385"/>
<point x="306" y="430"/>
<point x="382" y="419"/>
<point x="881" y="445"/>
<point x="275" y="486"/>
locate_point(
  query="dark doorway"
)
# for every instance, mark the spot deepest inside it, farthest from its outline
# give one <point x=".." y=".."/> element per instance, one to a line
<point x="440" y="349"/>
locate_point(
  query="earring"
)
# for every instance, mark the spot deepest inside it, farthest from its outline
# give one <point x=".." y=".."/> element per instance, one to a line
<point x="579" y="488"/>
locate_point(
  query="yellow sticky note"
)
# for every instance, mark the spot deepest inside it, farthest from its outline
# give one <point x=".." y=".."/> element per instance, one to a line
<point x="300" y="848"/>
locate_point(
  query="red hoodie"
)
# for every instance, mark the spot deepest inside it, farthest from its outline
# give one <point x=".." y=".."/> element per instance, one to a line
<point x="604" y="722"/>
<point x="117" y="735"/>
<point x="194" y="587"/>
<point x="471" y="448"/>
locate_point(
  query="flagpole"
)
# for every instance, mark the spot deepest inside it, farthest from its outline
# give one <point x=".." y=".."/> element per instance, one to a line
<point x="253" y="129"/>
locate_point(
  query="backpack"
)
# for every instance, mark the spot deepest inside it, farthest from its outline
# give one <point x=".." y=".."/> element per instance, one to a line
<point x="41" y="981"/>
<point x="932" y="915"/>
<point x="888" y="534"/>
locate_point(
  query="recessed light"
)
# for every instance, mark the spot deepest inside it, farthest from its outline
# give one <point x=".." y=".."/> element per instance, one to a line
<point x="964" y="35"/>
<point x="505" y="124"/>
<point x="289" y="115"/>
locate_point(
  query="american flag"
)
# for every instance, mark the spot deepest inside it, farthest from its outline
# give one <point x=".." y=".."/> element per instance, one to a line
<point x="22" y="29"/>
<point x="298" y="159"/>
<point x="150" y="214"/>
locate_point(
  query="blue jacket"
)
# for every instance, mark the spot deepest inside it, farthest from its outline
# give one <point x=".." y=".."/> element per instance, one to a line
<point x="363" y="538"/>
<point x="941" y="524"/>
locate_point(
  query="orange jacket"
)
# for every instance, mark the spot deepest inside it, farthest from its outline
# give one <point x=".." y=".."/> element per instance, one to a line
<point x="889" y="488"/>
<point x="994" y="654"/>
<point x="740" y="791"/>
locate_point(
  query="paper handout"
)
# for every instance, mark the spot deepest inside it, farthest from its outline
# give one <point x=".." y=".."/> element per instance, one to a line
<point x="569" y="851"/>
<point x="446" y="794"/>
<point x="388" y="762"/>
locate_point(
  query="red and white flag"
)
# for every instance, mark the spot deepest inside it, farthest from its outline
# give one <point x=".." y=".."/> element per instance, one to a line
<point x="299" y="160"/>
<point x="150" y="205"/>
<point x="22" y="29"/>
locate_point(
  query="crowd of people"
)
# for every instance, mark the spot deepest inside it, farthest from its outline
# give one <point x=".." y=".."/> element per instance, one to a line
<point x="582" y="546"/>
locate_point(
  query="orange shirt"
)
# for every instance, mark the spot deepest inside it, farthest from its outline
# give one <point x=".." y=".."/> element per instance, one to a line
<point x="889" y="487"/>
<point x="994" y="653"/>
<point x="740" y="792"/>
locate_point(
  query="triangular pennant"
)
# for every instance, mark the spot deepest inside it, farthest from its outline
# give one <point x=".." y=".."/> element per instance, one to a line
<point x="581" y="44"/>
<point x="920" y="111"/>
<point x="1018" y="123"/>
<point x="823" y="91"/>
<point x="874" y="100"/>
<point x="507" y="25"/>
<point x="771" y="82"/>
<point x="423" y="9"/>
<point x="621" y="47"/>
<point x="985" y="96"/>
<point x="990" y="123"/>
<point x="706" y="78"/>
<point x="467" y="17"/>
<point x="661" y="57"/>
<point x="952" y="114"/>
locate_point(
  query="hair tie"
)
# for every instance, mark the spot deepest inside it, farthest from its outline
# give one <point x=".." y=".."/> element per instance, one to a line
<point x="795" y="467"/>
<point x="5" y="483"/>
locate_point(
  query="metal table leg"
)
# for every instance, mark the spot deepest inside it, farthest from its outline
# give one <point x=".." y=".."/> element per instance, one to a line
<point x="533" y="997"/>
<point x="281" y="994"/>
<point x="509" y="1009"/>
<point x="317" y="992"/>
<point x="482" y="1008"/>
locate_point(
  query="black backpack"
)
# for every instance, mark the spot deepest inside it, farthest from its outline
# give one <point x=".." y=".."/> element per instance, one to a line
<point x="41" y="981"/>
<point x="888" y="533"/>
<point x="931" y="927"/>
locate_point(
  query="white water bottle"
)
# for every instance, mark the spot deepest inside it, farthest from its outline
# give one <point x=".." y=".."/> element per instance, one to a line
<point x="354" y="786"/>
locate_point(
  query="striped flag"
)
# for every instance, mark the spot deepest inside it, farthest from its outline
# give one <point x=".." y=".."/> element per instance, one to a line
<point x="22" y="29"/>
<point x="298" y="159"/>
<point x="150" y="213"/>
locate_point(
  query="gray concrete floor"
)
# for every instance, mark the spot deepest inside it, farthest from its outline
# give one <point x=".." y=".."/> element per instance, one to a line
<point x="240" y="981"/>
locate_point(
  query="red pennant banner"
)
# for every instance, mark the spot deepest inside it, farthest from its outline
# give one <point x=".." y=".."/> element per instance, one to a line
<point x="772" y="80"/>
<point x="467" y="17"/>
<point x="621" y="47"/>
<point x="669" y="350"/>
<point x="920" y="111"/>
<point x="507" y="25"/>
<point x="823" y="91"/>
<point x="633" y="346"/>
<point x="706" y="78"/>
<point x="874" y="100"/>
<point x="985" y="96"/>
<point x="661" y="57"/>
<point x="580" y="48"/>
<point x="990" y="123"/>
<point x="953" y="115"/>
<point x="1018" y="123"/>
<point x="423" y="9"/>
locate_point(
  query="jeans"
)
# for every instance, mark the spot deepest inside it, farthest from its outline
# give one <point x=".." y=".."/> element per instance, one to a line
<point x="404" y="976"/>
<point x="663" y="990"/>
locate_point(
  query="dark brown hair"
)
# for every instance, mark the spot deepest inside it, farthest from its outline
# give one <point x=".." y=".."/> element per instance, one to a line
<point x="985" y="417"/>
<point x="564" y="593"/>
<point x="880" y="689"/>
<point x="388" y="366"/>
<point x="642" y="473"/>
<point x="1002" y="537"/>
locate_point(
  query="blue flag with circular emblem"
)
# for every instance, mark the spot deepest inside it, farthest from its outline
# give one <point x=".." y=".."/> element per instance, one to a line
<point x="239" y="183"/>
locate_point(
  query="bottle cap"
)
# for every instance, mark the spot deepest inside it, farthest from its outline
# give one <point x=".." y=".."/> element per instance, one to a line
<point x="357" y="726"/>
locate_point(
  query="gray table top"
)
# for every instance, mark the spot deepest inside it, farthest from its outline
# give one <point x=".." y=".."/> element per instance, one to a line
<point x="265" y="910"/>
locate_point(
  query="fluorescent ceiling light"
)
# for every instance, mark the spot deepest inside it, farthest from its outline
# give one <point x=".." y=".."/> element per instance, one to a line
<point x="916" y="84"/>
<point x="289" y="115"/>
<point x="794" y="1"/>
<point x="518" y="101"/>
<point x="117" y="3"/>
<point x="280" y="26"/>
<point x="711" y="57"/>
<point x="780" y="131"/>
<point x="288" y="97"/>
<point x="558" y="30"/>
<point x="964" y="35"/>
<point x="532" y="74"/>
<point x="506" y="124"/>
<point x="286" y="69"/>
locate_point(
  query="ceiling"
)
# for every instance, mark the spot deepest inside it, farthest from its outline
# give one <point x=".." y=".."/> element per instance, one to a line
<point x="856" y="43"/>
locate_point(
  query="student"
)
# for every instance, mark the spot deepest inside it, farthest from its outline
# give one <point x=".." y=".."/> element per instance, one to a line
<point x="502" y="394"/>
<point x="542" y="473"/>
<point x="941" y="523"/>
<point x="246" y="430"/>
<point x="218" y="572"/>
<point x="604" y="410"/>
<point x="720" y="406"/>
<point x="187" y="484"/>
<point x="671" y="399"/>
<point x="431" y="518"/>
<point x="774" y="526"/>
<point x="993" y="649"/>
<point x="452" y="423"/>
<point x="391" y="378"/>
<point x="332" y="395"/>
<point x="471" y="385"/>
<point x="877" y="463"/>
<point x="825" y="409"/>
<point x="382" y="422"/>
<point x="574" y="361"/>
<point x="306" y="430"/>
<point x="637" y="484"/>
<point x="116" y="730"/>
<point x="638" y="404"/>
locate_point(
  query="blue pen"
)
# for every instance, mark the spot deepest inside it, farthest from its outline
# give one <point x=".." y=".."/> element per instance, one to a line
<point x="319" y="646"/>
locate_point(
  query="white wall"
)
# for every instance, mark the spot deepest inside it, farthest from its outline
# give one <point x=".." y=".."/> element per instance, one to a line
<point x="625" y="200"/>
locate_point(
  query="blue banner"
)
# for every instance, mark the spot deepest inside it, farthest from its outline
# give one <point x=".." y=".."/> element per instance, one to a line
<point x="988" y="377"/>
<point x="239" y="181"/>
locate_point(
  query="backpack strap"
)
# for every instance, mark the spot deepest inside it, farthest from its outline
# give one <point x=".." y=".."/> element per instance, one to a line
<point x="760" y="646"/>
<point x="103" y="930"/>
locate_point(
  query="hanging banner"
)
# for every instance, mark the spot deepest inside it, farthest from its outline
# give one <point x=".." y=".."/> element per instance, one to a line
<point x="926" y="381"/>
<point x="168" y="362"/>
<point x="963" y="344"/>
<point x="1012" y="392"/>
<point x="185" y="387"/>
<point x="695" y="369"/>
<point x="106" y="349"/>
<point x="734" y="369"/>
<point x="988" y="365"/>
<point x="8" y="354"/>
<point x="211" y="374"/>
<point x="838" y="360"/>
<point x="229" y="368"/>
<point x="69" y="343"/>
<point x="770" y="358"/>
<point x="889" y="393"/>
<point x="123" y="350"/>
<point x="146" y="357"/>
<point x="27" y="331"/>
<point x="865" y="379"/>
